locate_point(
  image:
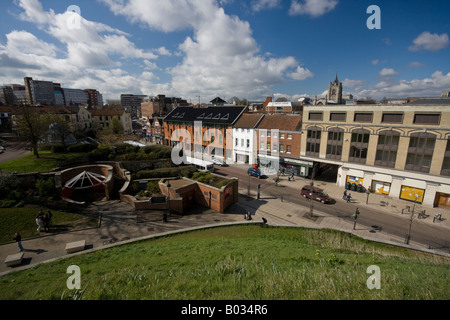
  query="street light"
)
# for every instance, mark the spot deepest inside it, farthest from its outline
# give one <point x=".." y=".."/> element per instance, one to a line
<point x="311" y="206"/>
<point x="416" y="196"/>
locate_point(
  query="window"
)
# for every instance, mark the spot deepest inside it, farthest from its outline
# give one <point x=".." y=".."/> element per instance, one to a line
<point x="427" y="118"/>
<point x="313" y="141"/>
<point x="275" y="147"/>
<point x="317" y="116"/>
<point x="281" y="147"/>
<point x="268" y="146"/>
<point x="387" y="148"/>
<point x="359" y="146"/>
<point x="446" y="163"/>
<point x="420" y="152"/>
<point x="282" y="136"/>
<point x="237" y="142"/>
<point x="338" y="116"/>
<point x="268" y="134"/>
<point x="289" y="136"/>
<point x="242" y="143"/>
<point x="248" y="143"/>
<point x="334" y="143"/>
<point x="392" y="118"/>
<point x="363" y="117"/>
<point x="288" y="149"/>
<point x="262" y="133"/>
<point x="261" y="145"/>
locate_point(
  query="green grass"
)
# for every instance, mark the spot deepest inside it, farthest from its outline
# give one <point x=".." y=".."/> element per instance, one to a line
<point x="30" y="163"/>
<point x="23" y="220"/>
<point x="245" y="262"/>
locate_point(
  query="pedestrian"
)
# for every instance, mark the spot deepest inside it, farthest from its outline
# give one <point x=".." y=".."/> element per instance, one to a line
<point x="344" y="197"/>
<point x="39" y="223"/>
<point x="49" y="217"/>
<point x="45" y="222"/>
<point x="18" y="239"/>
<point x="349" y="196"/>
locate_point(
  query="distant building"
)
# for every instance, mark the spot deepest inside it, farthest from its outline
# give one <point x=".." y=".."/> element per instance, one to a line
<point x="445" y="94"/>
<point x="284" y="107"/>
<point x="160" y="106"/>
<point x="103" y="118"/>
<point x="39" y="92"/>
<point x="132" y="103"/>
<point x="75" y="97"/>
<point x="95" y="99"/>
<point x="334" y="94"/>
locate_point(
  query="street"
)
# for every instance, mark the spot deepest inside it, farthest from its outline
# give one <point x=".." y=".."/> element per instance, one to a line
<point x="431" y="235"/>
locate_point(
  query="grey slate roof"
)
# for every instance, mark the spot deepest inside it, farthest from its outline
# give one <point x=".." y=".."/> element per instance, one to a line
<point x="215" y="115"/>
<point x="431" y="101"/>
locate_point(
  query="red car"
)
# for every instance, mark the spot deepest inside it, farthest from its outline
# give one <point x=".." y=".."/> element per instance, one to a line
<point x="315" y="193"/>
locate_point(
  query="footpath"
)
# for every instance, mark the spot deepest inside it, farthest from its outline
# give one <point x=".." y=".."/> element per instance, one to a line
<point x="121" y="224"/>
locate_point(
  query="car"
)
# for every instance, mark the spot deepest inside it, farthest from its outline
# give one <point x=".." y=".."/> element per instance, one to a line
<point x="219" y="162"/>
<point x="254" y="172"/>
<point x="311" y="192"/>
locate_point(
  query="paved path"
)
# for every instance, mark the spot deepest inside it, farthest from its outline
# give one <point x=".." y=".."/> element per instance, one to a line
<point x="119" y="223"/>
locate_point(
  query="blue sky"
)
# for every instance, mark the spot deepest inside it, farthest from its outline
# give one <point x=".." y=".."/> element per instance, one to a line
<point x="208" y="48"/>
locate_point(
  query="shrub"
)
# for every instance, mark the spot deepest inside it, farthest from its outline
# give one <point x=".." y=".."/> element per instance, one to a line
<point x="46" y="187"/>
<point x="204" y="177"/>
<point x="58" y="148"/>
<point x="81" y="148"/>
<point x="7" y="203"/>
<point x="153" y="187"/>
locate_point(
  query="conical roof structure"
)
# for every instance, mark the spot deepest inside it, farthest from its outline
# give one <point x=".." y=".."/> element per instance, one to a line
<point x="86" y="179"/>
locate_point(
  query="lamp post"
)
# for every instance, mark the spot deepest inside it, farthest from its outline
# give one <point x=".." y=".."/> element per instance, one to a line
<point x="311" y="206"/>
<point x="416" y="196"/>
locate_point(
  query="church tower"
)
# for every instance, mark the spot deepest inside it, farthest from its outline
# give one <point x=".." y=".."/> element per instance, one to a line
<point x="335" y="91"/>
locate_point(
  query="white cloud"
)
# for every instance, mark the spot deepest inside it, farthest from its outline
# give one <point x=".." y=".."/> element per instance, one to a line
<point x="301" y="74"/>
<point x="388" y="72"/>
<point x="221" y="57"/>
<point x="431" y="86"/>
<point x="375" y="62"/>
<point x="430" y="42"/>
<point x="259" y="5"/>
<point x="78" y="57"/>
<point x="313" y="8"/>
<point x="354" y="84"/>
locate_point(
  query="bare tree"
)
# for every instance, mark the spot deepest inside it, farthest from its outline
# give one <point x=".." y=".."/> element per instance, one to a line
<point x="31" y="124"/>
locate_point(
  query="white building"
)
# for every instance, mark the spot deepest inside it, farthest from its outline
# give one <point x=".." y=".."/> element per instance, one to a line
<point x="244" y="139"/>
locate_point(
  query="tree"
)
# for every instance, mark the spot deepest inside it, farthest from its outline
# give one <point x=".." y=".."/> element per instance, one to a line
<point x="31" y="124"/>
<point x="116" y="126"/>
<point x="60" y="126"/>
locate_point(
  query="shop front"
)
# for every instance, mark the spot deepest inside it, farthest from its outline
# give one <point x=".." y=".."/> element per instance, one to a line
<point x="300" y="168"/>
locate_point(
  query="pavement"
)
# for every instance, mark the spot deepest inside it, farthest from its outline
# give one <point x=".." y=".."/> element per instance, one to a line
<point x="121" y="224"/>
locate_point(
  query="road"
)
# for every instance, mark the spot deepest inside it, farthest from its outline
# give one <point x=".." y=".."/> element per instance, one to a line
<point x="433" y="236"/>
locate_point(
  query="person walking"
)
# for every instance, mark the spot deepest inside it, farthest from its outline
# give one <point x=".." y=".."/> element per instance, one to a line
<point x="344" y="197"/>
<point x="49" y="216"/>
<point x="18" y="239"/>
<point x="349" y="197"/>
<point x="39" y="223"/>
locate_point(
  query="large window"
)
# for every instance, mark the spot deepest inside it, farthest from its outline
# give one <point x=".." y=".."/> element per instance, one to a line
<point x="420" y="152"/>
<point x="363" y="117"/>
<point x="427" y="118"/>
<point x="313" y="141"/>
<point x="359" y="146"/>
<point x="387" y="148"/>
<point x="338" y="116"/>
<point x="334" y="143"/>
<point x="318" y="116"/>
<point x="392" y="118"/>
<point x="446" y="164"/>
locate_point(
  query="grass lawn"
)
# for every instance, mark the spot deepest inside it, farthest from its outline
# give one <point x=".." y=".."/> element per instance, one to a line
<point x="30" y="163"/>
<point x="23" y="220"/>
<point x="245" y="262"/>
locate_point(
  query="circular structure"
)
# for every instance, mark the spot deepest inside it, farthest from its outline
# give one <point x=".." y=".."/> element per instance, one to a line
<point x="86" y="183"/>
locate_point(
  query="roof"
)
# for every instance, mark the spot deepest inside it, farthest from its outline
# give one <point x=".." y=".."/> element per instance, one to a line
<point x="281" y="122"/>
<point x="218" y="100"/>
<point x="248" y="120"/>
<point x="431" y="101"/>
<point x="107" y="112"/>
<point x="216" y="115"/>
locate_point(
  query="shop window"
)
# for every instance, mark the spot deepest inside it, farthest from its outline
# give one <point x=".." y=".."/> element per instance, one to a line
<point x="314" y="135"/>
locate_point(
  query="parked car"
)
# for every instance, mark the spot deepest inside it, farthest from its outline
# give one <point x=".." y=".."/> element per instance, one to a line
<point x="254" y="172"/>
<point x="315" y="193"/>
<point x="219" y="162"/>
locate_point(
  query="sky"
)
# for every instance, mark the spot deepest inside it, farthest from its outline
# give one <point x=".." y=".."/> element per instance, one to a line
<point x="200" y="49"/>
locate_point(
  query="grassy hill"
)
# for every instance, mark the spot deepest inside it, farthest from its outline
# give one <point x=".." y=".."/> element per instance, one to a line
<point x="247" y="262"/>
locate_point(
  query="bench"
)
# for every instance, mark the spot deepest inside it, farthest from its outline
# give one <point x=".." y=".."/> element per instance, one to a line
<point x="14" y="259"/>
<point x="75" y="246"/>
